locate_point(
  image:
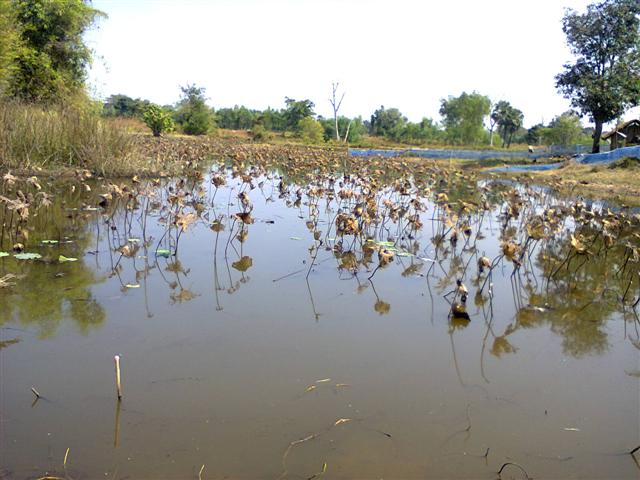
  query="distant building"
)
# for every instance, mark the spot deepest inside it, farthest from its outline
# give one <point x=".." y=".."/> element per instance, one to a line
<point x="624" y="135"/>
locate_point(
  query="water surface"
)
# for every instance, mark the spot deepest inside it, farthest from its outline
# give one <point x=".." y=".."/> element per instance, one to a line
<point x="234" y="358"/>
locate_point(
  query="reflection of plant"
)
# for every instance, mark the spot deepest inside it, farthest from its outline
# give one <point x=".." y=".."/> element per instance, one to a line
<point x="46" y="292"/>
<point x="501" y="346"/>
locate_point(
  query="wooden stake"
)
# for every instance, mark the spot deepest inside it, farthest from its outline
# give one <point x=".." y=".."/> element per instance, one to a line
<point x="118" y="385"/>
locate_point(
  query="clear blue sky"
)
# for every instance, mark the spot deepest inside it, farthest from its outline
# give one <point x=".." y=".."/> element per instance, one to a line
<point x="406" y="54"/>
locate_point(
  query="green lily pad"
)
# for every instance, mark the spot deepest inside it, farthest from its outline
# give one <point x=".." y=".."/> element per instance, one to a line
<point x="162" y="252"/>
<point x="133" y="240"/>
<point x="296" y="238"/>
<point x="63" y="259"/>
<point x="386" y="244"/>
<point x="3" y="254"/>
<point x="27" y="256"/>
<point x="49" y="242"/>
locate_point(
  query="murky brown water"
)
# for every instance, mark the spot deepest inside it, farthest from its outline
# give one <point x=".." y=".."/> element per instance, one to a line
<point x="232" y="360"/>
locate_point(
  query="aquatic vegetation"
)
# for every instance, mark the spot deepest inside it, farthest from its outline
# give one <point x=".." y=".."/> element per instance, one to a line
<point x="366" y="213"/>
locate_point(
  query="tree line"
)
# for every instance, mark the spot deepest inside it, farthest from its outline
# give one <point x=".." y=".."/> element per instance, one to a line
<point x="464" y="121"/>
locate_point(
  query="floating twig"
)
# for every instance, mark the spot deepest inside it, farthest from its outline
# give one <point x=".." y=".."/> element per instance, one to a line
<point x="505" y="465"/>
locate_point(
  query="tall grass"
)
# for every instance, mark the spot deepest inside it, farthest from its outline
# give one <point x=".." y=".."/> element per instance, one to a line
<point x="33" y="136"/>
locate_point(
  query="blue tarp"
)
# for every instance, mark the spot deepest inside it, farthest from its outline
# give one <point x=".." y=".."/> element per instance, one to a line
<point x="604" y="157"/>
<point x="611" y="156"/>
<point x="461" y="154"/>
<point x="524" y="168"/>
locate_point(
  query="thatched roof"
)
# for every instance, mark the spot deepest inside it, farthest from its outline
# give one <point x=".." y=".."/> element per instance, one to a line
<point x="620" y="129"/>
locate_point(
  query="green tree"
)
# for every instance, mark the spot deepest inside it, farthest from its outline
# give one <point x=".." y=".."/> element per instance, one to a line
<point x="295" y="111"/>
<point x="427" y="131"/>
<point x="192" y="112"/>
<point x="604" y="80"/>
<point x="508" y="119"/>
<point x="236" y="118"/>
<point x="565" y="129"/>
<point x="535" y="134"/>
<point x="158" y="120"/>
<point x="272" y="119"/>
<point x="9" y="43"/>
<point x="124" y="106"/>
<point x="463" y="117"/>
<point x="388" y="123"/>
<point x="51" y="61"/>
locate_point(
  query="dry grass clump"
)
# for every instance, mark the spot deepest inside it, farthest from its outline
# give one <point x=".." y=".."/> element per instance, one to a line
<point x="36" y="137"/>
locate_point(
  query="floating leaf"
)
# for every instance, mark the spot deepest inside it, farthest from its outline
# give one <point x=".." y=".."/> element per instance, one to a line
<point x="295" y="238"/>
<point x="162" y="252"/>
<point x="49" y="242"/>
<point x="132" y="285"/>
<point x="342" y="420"/>
<point x="27" y="256"/>
<point x="3" y="254"/>
<point x="63" y="259"/>
<point x="133" y="240"/>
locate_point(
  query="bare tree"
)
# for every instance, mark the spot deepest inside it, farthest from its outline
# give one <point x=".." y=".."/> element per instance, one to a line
<point x="336" y="107"/>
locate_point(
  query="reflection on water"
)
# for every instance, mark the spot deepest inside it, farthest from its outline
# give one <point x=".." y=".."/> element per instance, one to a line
<point x="298" y="324"/>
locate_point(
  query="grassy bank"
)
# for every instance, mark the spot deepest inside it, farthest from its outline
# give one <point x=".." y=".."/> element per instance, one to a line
<point x="56" y="140"/>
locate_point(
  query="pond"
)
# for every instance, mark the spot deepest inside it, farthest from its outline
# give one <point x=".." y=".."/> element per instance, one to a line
<point x="303" y="322"/>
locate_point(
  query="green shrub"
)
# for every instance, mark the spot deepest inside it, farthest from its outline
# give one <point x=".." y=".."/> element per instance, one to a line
<point x="259" y="133"/>
<point x="157" y="120"/>
<point x="310" y="130"/>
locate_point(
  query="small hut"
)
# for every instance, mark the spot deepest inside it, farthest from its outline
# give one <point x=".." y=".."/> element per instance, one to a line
<point x="624" y="135"/>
